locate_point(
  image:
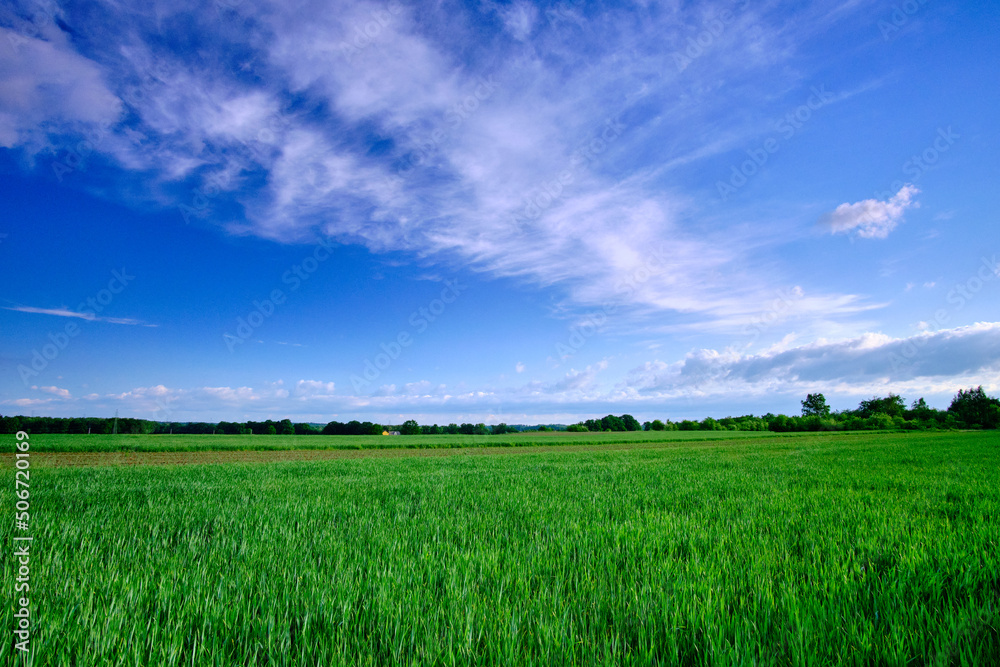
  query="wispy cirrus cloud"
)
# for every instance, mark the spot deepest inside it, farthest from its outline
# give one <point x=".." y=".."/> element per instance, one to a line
<point x="48" y="86"/>
<point x="88" y="315"/>
<point x="467" y="136"/>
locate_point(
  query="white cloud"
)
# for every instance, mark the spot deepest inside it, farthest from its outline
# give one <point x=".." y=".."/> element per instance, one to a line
<point x="48" y="86"/>
<point x="519" y="367"/>
<point x="89" y="316"/>
<point x="58" y="312"/>
<point x="56" y="391"/>
<point x="869" y="362"/>
<point x="29" y="402"/>
<point x="519" y="19"/>
<point x="871" y="218"/>
<point x="305" y="389"/>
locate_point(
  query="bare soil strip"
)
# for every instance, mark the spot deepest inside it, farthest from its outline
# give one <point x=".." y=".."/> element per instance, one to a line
<point x="84" y="459"/>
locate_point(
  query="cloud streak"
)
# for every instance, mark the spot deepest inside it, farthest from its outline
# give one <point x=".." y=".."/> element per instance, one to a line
<point x="89" y="316"/>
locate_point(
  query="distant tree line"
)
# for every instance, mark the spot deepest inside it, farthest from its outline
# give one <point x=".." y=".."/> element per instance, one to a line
<point x="969" y="409"/>
<point x="128" y="425"/>
<point x="609" y="423"/>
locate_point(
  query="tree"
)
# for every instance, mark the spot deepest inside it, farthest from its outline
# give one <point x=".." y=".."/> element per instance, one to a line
<point x="657" y="425"/>
<point x="709" y="424"/>
<point x="612" y="423"/>
<point x="410" y="427"/>
<point x="631" y="423"/>
<point x="975" y="408"/>
<point x="815" y="405"/>
<point x="920" y="410"/>
<point x="891" y="405"/>
<point x="333" y="428"/>
<point x="285" y="427"/>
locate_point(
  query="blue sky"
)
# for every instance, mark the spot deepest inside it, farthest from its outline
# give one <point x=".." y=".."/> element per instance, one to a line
<point x="501" y="212"/>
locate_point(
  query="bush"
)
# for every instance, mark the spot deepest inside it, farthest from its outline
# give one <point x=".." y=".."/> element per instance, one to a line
<point x="829" y="424"/>
<point x="810" y="423"/>
<point x="779" y="424"/>
<point x="853" y="424"/>
<point x="709" y="424"/>
<point x="879" y="421"/>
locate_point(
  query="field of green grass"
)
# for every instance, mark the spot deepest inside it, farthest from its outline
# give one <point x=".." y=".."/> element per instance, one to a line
<point x="190" y="443"/>
<point x="875" y="549"/>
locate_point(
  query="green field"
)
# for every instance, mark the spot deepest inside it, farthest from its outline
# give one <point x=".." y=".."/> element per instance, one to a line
<point x="871" y="549"/>
<point x="191" y="443"/>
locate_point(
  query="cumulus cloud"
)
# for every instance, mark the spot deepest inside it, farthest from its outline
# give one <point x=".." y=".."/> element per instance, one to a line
<point x="313" y="388"/>
<point x="56" y="391"/>
<point x="871" y="218"/>
<point x="863" y="363"/>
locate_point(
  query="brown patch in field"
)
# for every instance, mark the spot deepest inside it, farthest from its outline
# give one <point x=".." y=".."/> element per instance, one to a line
<point x="77" y="459"/>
